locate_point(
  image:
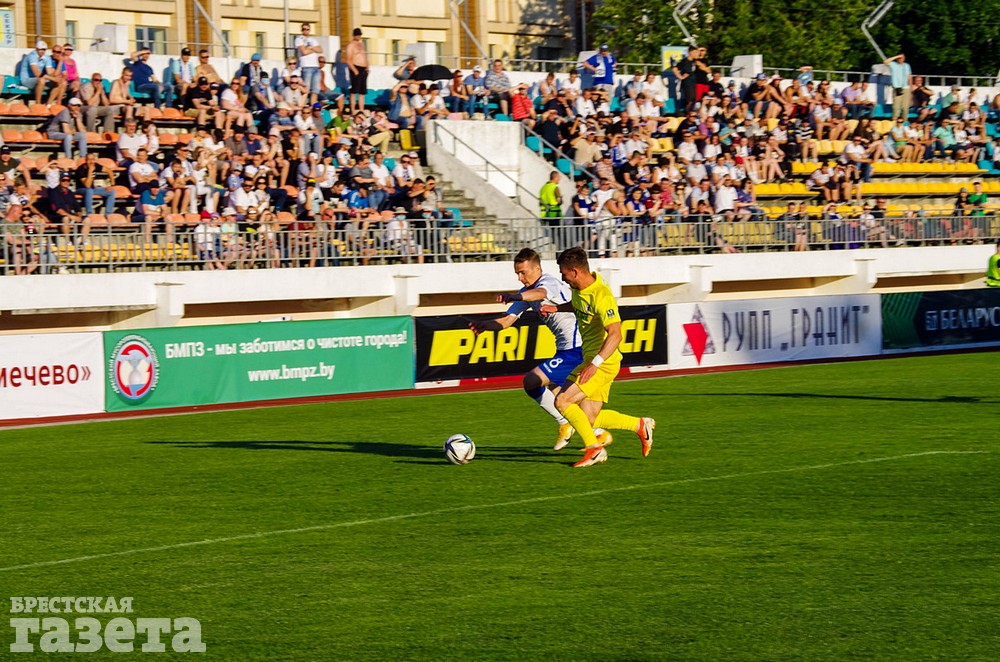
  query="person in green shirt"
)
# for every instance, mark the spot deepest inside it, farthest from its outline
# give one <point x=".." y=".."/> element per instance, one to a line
<point x="978" y="199"/>
<point x="550" y="206"/>
<point x="993" y="269"/>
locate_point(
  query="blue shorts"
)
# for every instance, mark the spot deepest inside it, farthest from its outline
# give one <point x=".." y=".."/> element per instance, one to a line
<point x="558" y="368"/>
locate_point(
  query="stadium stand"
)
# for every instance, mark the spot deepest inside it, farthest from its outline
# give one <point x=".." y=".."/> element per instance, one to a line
<point x="276" y="181"/>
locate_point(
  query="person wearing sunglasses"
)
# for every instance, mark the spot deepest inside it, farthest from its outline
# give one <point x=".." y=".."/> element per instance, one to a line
<point x="38" y="72"/>
<point x="205" y="69"/>
<point x="458" y="98"/>
<point x="309" y="51"/>
<point x="237" y="114"/>
<point x="182" y="73"/>
<point x="97" y="105"/>
<point x="291" y="70"/>
<point x="70" y="71"/>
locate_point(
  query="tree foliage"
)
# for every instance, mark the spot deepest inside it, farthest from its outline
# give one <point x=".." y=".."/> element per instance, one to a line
<point x="938" y="36"/>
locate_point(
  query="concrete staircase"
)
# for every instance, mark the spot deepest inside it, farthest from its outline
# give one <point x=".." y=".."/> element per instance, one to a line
<point x="458" y="198"/>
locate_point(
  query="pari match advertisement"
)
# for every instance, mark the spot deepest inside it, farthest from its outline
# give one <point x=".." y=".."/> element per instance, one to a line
<point x="447" y="349"/>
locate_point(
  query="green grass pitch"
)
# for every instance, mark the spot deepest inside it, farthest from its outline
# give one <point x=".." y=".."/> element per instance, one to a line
<point x="761" y="527"/>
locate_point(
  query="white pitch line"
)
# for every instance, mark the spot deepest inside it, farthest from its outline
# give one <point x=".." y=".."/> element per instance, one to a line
<point x="458" y="509"/>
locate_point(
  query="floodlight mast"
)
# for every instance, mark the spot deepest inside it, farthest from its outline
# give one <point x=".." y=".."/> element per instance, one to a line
<point x="874" y="18"/>
<point x="682" y="8"/>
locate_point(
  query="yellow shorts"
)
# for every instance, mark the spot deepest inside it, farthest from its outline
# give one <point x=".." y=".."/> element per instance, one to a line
<point x="598" y="387"/>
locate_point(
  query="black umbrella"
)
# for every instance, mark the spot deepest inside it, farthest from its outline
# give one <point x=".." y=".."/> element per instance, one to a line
<point x="431" y="72"/>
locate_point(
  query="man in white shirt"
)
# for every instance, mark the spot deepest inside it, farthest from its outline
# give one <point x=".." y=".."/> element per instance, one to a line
<point x="141" y="173"/>
<point x="867" y="99"/>
<point x="641" y="107"/>
<point x="383" y="188"/>
<point x="697" y="171"/>
<point x="404" y="172"/>
<point x="821" y="116"/>
<point x="653" y="88"/>
<point x="309" y="50"/>
<point x="129" y="143"/>
<point x="243" y="198"/>
<point x="687" y="150"/>
<point x="725" y="197"/>
<point x="821" y="180"/>
<point x="584" y="105"/>
<point x="857" y="154"/>
<point x="571" y="86"/>
<point x="310" y="123"/>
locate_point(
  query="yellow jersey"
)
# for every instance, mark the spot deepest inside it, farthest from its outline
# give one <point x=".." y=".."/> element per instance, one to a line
<point x="595" y="307"/>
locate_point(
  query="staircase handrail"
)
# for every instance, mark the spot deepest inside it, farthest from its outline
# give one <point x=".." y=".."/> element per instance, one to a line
<point x="439" y="126"/>
<point x="558" y="152"/>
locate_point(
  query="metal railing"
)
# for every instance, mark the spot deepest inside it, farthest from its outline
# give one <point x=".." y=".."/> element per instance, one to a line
<point x="544" y="144"/>
<point x="432" y="240"/>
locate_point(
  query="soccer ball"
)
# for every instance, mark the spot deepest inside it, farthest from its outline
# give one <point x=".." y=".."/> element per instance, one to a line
<point x="459" y="449"/>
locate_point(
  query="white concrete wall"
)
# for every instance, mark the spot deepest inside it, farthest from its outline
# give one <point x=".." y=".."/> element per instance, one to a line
<point x="490" y="149"/>
<point x="397" y="289"/>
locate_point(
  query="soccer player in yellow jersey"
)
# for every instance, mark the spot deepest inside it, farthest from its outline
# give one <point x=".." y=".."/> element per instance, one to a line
<point x="587" y="388"/>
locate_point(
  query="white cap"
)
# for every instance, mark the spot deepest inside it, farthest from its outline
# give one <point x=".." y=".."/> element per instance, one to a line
<point x="477" y="69"/>
<point x="41" y="44"/>
<point x="75" y="102"/>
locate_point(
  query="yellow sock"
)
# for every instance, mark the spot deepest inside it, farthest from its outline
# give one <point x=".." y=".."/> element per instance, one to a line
<point x="581" y="423"/>
<point x="608" y="418"/>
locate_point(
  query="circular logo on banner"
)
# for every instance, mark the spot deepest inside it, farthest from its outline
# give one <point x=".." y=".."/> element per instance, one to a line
<point x="134" y="369"/>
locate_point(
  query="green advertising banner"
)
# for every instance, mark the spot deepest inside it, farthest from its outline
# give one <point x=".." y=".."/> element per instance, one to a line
<point x="199" y="365"/>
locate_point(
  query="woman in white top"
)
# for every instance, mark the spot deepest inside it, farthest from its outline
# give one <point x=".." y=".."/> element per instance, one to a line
<point x="328" y="175"/>
<point x="606" y="223"/>
<point x="204" y="174"/>
<point x="712" y="148"/>
<point x="152" y="138"/>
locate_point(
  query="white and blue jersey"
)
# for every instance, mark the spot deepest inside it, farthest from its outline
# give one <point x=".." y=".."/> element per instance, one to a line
<point x="569" y="345"/>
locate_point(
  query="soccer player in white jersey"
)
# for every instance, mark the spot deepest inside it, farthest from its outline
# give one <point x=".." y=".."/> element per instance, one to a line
<point x="539" y="289"/>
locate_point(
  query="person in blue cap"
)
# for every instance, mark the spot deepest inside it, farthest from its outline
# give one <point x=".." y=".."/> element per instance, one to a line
<point x="250" y="74"/>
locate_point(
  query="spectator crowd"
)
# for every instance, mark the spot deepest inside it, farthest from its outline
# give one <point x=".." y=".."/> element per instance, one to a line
<point x="296" y="154"/>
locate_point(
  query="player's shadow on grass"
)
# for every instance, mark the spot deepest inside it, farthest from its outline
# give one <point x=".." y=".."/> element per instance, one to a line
<point x="947" y="399"/>
<point x="405" y="453"/>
